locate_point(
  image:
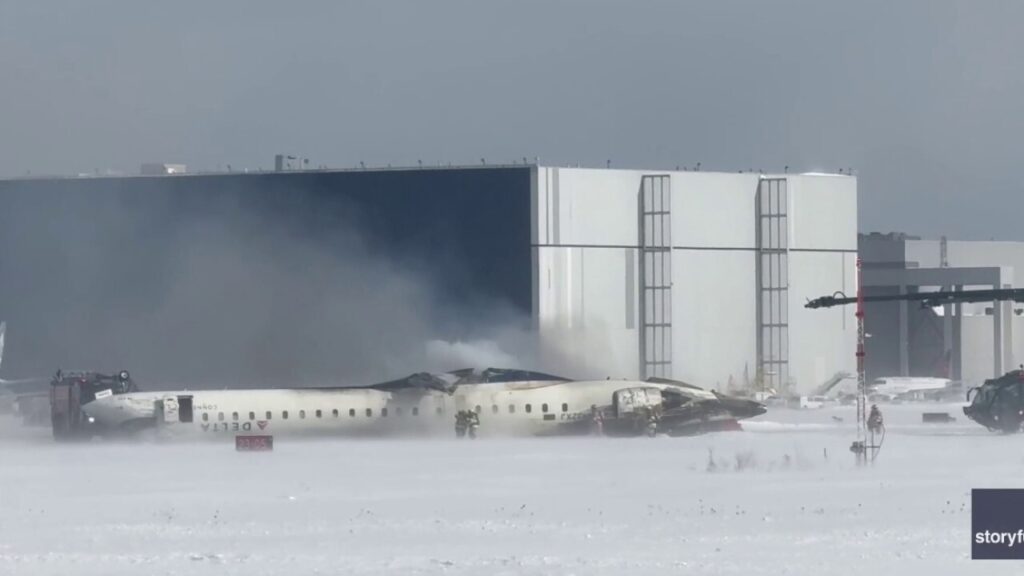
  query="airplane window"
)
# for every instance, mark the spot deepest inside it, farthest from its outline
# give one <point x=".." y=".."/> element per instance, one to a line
<point x="529" y="408"/>
<point x="415" y="410"/>
<point x="302" y="413"/>
<point x="544" y="408"/>
<point x="252" y="415"/>
<point x="220" y="416"/>
<point x="319" y="414"/>
<point x="369" y="412"/>
<point x="352" y="412"/>
<point x="284" y="414"/>
<point x="269" y="414"/>
<point x="206" y="417"/>
<point x="511" y="408"/>
<point x="494" y="408"/>
<point x="565" y="407"/>
<point x="477" y="409"/>
<point x="440" y="410"/>
<point x="234" y="416"/>
<point x="334" y="412"/>
<point x="384" y="412"/>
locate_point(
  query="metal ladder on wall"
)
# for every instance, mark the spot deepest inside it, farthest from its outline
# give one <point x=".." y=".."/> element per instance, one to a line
<point x="655" y="210"/>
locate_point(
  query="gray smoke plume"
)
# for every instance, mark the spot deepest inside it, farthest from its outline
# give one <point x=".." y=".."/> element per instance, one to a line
<point x="228" y="296"/>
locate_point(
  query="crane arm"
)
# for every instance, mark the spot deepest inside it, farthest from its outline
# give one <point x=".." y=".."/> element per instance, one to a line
<point x="927" y="299"/>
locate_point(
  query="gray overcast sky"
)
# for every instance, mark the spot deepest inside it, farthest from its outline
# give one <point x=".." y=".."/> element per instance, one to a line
<point x="924" y="99"/>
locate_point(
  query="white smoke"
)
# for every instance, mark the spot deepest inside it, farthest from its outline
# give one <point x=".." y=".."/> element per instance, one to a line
<point x="444" y="355"/>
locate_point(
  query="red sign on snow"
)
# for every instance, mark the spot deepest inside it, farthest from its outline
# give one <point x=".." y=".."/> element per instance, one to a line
<point x="254" y="443"/>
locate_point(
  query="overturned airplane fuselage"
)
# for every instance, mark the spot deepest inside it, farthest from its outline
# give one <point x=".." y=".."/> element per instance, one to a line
<point x="505" y="403"/>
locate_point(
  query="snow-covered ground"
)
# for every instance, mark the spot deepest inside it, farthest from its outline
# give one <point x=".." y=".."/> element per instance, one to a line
<point x="784" y="497"/>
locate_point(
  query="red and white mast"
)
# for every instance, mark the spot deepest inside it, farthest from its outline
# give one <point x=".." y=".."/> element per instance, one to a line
<point x="862" y="385"/>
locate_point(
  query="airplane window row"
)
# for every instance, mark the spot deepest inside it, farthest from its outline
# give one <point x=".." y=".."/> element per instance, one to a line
<point x="415" y="411"/>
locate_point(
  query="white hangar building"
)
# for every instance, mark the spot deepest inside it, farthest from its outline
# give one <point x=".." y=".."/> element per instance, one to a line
<point x="697" y="276"/>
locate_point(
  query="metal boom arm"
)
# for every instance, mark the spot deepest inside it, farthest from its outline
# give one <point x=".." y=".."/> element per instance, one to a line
<point x="927" y="299"/>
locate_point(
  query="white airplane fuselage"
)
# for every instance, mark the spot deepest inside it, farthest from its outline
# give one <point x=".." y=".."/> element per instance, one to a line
<point x="508" y="408"/>
<point x="896" y="386"/>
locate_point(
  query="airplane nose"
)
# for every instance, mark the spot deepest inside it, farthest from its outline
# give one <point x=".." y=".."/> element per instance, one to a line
<point x="751" y="408"/>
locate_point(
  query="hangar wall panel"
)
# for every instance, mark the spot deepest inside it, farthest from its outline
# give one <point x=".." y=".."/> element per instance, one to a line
<point x="587" y="207"/>
<point x="823" y="212"/>
<point x="822" y="341"/>
<point x="587" y="309"/>
<point x="922" y="253"/>
<point x="994" y="254"/>
<point x="976" y="349"/>
<point x="882" y="321"/>
<point x="580" y="206"/>
<point x="714" y="316"/>
<point x="714" y="210"/>
<point x="927" y="254"/>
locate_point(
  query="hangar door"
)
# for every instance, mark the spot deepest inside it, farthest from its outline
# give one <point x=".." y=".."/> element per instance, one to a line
<point x="773" y="284"/>
<point x="655" y="276"/>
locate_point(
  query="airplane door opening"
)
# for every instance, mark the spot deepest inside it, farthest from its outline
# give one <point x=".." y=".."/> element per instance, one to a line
<point x="185" y="409"/>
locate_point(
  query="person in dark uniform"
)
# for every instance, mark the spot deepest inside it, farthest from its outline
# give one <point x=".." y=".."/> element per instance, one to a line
<point x="460" y="424"/>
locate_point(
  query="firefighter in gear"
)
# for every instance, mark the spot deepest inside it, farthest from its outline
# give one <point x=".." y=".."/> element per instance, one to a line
<point x="461" y="423"/>
<point x="640" y="419"/>
<point x="596" y="422"/>
<point x="875" y="422"/>
<point x="652" y="422"/>
<point x="472" y="422"/>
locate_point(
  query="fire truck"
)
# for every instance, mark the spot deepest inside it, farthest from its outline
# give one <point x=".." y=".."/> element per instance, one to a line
<point x="69" y="391"/>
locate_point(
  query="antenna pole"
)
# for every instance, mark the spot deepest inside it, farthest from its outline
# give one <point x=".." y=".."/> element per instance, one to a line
<point x="859" y="447"/>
